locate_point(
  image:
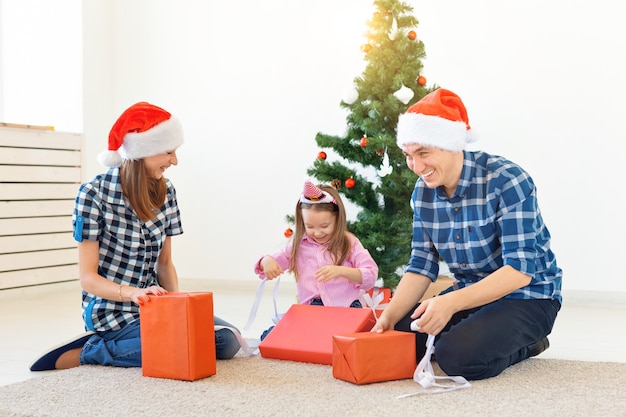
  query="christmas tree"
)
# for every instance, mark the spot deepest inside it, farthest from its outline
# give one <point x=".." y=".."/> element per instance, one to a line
<point x="372" y="169"/>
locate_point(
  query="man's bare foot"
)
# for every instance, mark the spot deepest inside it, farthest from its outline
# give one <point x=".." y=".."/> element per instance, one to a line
<point x="69" y="359"/>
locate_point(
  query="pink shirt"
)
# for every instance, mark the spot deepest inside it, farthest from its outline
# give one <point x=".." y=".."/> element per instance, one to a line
<point x="338" y="292"/>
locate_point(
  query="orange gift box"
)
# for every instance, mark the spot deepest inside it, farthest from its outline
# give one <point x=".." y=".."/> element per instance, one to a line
<point x="305" y="332"/>
<point x="363" y="358"/>
<point x="177" y="336"/>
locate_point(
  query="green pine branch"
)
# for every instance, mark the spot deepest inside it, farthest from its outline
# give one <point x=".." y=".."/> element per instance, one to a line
<point x="384" y="221"/>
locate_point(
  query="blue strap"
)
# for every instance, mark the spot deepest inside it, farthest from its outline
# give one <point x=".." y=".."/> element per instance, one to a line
<point x="88" y="313"/>
<point x="78" y="230"/>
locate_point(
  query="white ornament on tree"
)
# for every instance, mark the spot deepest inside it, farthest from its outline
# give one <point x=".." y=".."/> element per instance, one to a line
<point x="350" y="96"/>
<point x="385" y="168"/>
<point x="404" y="94"/>
<point x="393" y="32"/>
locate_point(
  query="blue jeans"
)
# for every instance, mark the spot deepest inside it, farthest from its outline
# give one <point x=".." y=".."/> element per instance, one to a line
<point x="123" y="347"/>
<point x="482" y="342"/>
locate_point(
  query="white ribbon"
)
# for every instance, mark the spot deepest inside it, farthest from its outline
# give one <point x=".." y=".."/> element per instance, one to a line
<point x="242" y="342"/>
<point x="257" y="300"/>
<point x="276" y="317"/>
<point x="374" y="303"/>
<point x="425" y="376"/>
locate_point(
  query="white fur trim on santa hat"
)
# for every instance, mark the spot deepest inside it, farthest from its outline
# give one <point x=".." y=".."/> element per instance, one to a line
<point x="417" y="128"/>
<point x="167" y="136"/>
<point x="110" y="158"/>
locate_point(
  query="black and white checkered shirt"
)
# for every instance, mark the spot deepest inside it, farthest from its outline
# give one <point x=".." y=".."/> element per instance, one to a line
<point x="129" y="247"/>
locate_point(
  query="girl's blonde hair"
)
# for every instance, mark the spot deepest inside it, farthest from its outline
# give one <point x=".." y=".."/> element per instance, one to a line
<point x="145" y="194"/>
<point x="339" y="244"/>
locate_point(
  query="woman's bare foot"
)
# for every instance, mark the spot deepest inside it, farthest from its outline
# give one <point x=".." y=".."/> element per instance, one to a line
<point x="69" y="359"/>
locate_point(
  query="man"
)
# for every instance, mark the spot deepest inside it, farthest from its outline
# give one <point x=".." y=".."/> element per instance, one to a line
<point x="479" y="212"/>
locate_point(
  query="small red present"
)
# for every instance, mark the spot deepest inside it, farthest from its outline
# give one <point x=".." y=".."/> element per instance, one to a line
<point x="376" y="299"/>
<point x="366" y="357"/>
<point x="386" y="292"/>
<point x="178" y="337"/>
<point x="305" y="332"/>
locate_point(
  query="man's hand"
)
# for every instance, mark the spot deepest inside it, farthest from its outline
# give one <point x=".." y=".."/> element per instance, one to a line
<point x="433" y="314"/>
<point x="382" y="324"/>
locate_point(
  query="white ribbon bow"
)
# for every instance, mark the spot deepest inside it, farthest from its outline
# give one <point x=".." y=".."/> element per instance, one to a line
<point x="374" y="303"/>
<point x="425" y="376"/>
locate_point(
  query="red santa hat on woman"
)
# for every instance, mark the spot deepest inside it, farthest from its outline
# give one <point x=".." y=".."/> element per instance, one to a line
<point x="439" y="119"/>
<point x="142" y="130"/>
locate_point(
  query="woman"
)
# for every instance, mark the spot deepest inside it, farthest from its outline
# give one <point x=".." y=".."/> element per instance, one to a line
<point x="123" y="222"/>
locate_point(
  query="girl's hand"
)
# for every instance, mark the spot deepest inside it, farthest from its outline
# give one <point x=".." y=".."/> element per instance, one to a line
<point x="270" y="267"/>
<point x="328" y="272"/>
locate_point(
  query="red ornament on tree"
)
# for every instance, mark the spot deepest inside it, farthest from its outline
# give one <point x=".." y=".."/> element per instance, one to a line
<point x="363" y="141"/>
<point x="350" y="183"/>
<point x="288" y="232"/>
<point x="421" y="80"/>
<point x="321" y="156"/>
<point x="412" y="35"/>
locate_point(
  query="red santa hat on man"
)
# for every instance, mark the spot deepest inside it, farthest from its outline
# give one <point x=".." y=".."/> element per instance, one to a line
<point x="142" y="130"/>
<point x="439" y="119"/>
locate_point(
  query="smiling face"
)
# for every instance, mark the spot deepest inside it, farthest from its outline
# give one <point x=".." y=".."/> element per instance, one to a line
<point x="319" y="225"/>
<point x="436" y="167"/>
<point x="157" y="164"/>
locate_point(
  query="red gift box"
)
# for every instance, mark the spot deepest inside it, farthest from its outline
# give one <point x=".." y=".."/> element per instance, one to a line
<point x="376" y="300"/>
<point x="363" y="358"/>
<point x="305" y="332"/>
<point x="177" y="336"/>
<point x="373" y="292"/>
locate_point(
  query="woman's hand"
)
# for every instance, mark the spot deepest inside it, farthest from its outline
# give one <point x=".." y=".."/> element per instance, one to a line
<point x="140" y="295"/>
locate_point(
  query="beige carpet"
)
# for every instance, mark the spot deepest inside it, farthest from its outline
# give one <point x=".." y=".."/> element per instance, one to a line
<point x="256" y="386"/>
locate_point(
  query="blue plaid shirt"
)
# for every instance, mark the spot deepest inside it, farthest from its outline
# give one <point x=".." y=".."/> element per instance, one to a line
<point x="492" y="220"/>
<point x="129" y="247"/>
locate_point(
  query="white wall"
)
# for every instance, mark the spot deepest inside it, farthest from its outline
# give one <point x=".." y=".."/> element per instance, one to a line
<point x="41" y="63"/>
<point x="544" y="85"/>
<point x="253" y="82"/>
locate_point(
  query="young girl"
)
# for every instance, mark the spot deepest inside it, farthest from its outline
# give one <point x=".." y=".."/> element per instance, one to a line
<point x="124" y="221"/>
<point x="329" y="263"/>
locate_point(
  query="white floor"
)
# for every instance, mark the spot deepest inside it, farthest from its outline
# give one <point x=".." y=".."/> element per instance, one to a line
<point x="37" y="318"/>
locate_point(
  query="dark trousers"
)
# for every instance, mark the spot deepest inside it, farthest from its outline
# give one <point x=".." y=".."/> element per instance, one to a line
<point x="318" y="302"/>
<point x="482" y="342"/>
